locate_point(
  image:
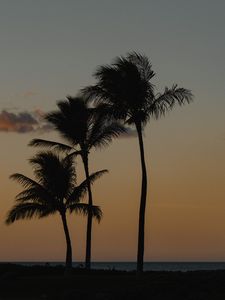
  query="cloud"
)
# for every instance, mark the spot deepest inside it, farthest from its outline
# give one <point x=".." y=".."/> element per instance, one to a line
<point x="130" y="133"/>
<point x="23" y="122"/>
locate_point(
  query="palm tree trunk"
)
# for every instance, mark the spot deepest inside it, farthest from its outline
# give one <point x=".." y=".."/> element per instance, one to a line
<point x="68" y="243"/>
<point x="89" y="220"/>
<point x="141" y="229"/>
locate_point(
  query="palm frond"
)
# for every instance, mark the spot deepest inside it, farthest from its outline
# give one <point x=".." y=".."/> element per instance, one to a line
<point x="175" y="95"/>
<point x="97" y="175"/>
<point x="158" y="108"/>
<point x="79" y="191"/>
<point x="27" y="211"/>
<point x="50" y="144"/>
<point x="35" y="194"/>
<point x="143" y="64"/>
<point x="83" y="209"/>
<point x="24" y="180"/>
<point x="97" y="213"/>
<point x="108" y="133"/>
<point x="95" y="94"/>
<point x="79" y="208"/>
<point x="73" y="154"/>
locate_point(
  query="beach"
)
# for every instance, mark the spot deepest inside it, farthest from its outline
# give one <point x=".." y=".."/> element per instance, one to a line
<point x="46" y="282"/>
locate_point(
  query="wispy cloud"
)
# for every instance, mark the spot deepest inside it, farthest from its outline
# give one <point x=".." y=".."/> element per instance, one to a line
<point x="23" y="122"/>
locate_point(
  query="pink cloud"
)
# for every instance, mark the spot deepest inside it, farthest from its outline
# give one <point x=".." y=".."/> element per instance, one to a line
<point x="22" y="122"/>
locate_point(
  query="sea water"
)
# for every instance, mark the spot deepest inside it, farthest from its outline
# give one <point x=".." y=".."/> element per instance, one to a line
<point x="148" y="266"/>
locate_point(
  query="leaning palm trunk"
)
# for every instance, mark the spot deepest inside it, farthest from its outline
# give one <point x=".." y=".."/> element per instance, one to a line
<point x="89" y="219"/>
<point x="141" y="229"/>
<point x="68" y="244"/>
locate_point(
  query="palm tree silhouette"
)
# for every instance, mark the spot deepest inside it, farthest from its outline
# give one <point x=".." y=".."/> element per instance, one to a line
<point x="55" y="191"/>
<point x="84" y="128"/>
<point x="125" y="91"/>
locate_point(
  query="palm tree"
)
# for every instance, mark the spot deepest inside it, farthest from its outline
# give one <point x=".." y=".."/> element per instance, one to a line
<point x="125" y="91"/>
<point x="84" y="128"/>
<point x="55" y="191"/>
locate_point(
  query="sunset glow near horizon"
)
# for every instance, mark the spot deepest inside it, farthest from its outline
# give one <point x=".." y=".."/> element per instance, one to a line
<point x="49" y="50"/>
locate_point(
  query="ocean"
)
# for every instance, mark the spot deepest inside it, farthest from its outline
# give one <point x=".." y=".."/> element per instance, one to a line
<point x="148" y="266"/>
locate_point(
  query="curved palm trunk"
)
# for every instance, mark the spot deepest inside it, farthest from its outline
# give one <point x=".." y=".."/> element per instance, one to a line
<point x="141" y="229"/>
<point x="89" y="220"/>
<point x="68" y="243"/>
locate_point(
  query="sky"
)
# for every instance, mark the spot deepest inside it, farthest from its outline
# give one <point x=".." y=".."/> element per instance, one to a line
<point x="50" y="49"/>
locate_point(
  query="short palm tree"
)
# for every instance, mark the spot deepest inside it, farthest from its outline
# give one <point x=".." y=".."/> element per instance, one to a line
<point x="84" y="128"/>
<point x="124" y="89"/>
<point x="55" y="191"/>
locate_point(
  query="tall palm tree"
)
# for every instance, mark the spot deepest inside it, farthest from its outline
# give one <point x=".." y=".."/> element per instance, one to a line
<point x="84" y="128"/>
<point x="54" y="191"/>
<point x="124" y="89"/>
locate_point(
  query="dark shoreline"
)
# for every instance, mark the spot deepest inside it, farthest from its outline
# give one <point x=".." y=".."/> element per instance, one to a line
<point x="48" y="282"/>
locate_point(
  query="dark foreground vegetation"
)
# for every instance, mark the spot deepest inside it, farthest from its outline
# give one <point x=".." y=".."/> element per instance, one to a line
<point x="46" y="282"/>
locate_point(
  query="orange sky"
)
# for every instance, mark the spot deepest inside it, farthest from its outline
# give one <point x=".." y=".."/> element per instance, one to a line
<point x="185" y="211"/>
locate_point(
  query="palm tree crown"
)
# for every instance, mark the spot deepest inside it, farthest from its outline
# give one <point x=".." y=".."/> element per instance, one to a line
<point x="125" y="86"/>
<point x="81" y="125"/>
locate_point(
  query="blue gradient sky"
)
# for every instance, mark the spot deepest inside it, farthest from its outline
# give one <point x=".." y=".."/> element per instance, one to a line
<point x="50" y="49"/>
